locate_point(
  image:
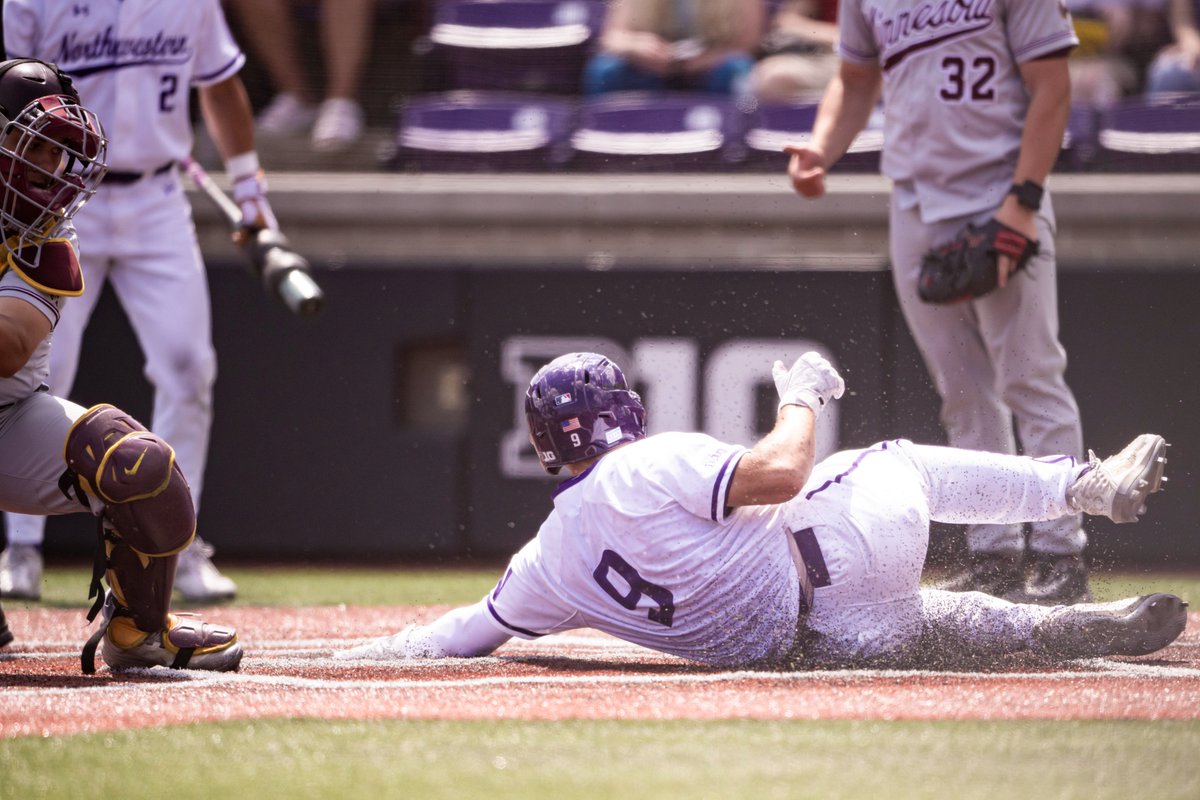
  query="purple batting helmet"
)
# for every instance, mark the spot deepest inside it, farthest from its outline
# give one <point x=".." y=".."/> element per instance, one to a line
<point x="578" y="406"/>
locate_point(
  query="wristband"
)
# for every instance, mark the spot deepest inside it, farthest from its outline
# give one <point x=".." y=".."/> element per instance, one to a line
<point x="243" y="165"/>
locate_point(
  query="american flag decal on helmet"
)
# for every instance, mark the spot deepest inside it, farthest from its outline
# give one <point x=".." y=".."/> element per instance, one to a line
<point x="571" y="424"/>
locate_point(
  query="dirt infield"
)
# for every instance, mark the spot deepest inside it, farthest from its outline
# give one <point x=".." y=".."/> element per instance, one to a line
<point x="288" y="672"/>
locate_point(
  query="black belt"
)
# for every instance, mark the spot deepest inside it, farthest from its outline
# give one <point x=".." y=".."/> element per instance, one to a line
<point x="810" y="565"/>
<point x="124" y="178"/>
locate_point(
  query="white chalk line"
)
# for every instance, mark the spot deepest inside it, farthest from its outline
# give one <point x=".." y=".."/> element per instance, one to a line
<point x="170" y="679"/>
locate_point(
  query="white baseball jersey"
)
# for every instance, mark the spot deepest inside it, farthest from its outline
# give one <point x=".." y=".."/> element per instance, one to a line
<point x="155" y="49"/>
<point x="954" y="99"/>
<point x="641" y="546"/>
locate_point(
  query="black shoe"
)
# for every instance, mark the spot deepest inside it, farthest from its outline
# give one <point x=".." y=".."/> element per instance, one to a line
<point x="1131" y="627"/>
<point x="1057" y="580"/>
<point x="996" y="574"/>
<point x="5" y="634"/>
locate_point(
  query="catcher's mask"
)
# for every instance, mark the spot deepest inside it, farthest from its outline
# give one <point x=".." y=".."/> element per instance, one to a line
<point x="578" y="406"/>
<point x="52" y="155"/>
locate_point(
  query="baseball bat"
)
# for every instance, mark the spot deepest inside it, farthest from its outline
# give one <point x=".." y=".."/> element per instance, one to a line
<point x="282" y="271"/>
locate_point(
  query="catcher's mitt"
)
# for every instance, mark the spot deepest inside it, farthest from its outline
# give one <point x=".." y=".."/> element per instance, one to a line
<point x="965" y="267"/>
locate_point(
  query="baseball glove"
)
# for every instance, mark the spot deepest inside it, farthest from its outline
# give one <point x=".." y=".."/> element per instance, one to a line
<point x="966" y="266"/>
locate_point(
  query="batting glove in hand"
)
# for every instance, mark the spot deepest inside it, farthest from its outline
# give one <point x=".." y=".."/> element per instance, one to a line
<point x="250" y="193"/>
<point x="812" y="381"/>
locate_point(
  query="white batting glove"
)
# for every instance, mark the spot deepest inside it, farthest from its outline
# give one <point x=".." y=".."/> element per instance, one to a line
<point x="250" y="193"/>
<point x="812" y="381"/>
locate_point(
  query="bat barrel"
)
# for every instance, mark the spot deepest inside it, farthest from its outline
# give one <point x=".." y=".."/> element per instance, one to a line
<point x="300" y="293"/>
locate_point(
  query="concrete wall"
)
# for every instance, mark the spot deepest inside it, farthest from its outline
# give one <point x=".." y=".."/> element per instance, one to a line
<point x="388" y="427"/>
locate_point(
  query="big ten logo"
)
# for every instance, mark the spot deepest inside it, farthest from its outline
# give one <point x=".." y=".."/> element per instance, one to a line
<point x="720" y="394"/>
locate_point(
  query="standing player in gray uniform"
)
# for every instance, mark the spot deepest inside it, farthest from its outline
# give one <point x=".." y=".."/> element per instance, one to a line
<point x="712" y="552"/>
<point x="976" y="97"/>
<point x="55" y="456"/>
<point x="135" y="62"/>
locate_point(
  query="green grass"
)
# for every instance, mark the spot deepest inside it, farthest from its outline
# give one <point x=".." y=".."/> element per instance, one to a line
<point x="299" y="759"/>
<point x="321" y="586"/>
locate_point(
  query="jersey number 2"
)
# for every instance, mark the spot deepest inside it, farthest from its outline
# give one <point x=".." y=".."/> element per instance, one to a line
<point x="638" y="586"/>
<point x="166" y="98"/>
<point x="978" y="77"/>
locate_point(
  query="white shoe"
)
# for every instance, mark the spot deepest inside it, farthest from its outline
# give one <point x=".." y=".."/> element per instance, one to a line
<point x="21" y="572"/>
<point x="197" y="580"/>
<point x="286" y="114"/>
<point x="1131" y="627"/>
<point x="1118" y="486"/>
<point x="339" y="124"/>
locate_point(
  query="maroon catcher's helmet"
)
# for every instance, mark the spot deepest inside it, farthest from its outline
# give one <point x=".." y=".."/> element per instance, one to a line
<point x="52" y="155"/>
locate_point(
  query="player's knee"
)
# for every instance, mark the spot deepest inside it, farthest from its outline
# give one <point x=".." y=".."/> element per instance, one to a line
<point x="188" y="375"/>
<point x="133" y="472"/>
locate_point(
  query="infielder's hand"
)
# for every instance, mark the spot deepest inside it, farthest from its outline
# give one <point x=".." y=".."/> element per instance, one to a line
<point x="1024" y="222"/>
<point x="807" y="170"/>
<point x="250" y="193"/>
<point x="812" y="381"/>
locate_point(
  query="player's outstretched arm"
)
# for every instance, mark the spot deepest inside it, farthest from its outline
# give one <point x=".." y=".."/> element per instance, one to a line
<point x="845" y="110"/>
<point x="776" y="468"/>
<point x="462" y="633"/>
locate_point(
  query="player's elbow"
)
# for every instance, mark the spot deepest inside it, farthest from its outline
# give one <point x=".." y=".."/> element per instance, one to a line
<point x="768" y="481"/>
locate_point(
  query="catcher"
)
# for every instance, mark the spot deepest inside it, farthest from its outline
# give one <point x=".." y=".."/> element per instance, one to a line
<point x="55" y="456"/>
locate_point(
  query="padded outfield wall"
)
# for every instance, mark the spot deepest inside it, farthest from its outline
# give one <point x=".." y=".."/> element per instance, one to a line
<point x="389" y="427"/>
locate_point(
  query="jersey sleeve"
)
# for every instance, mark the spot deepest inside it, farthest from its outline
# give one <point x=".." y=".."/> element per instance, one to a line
<point x="13" y="285"/>
<point x="695" y="470"/>
<point x="523" y="603"/>
<point x="855" y="40"/>
<point x="1039" y="27"/>
<point x="218" y="56"/>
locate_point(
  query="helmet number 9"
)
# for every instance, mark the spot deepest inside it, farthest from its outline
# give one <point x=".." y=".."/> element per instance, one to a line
<point x="575" y="440"/>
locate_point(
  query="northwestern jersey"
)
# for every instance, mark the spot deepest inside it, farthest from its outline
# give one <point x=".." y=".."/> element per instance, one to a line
<point x="954" y="100"/>
<point x="136" y="73"/>
<point x="643" y="547"/>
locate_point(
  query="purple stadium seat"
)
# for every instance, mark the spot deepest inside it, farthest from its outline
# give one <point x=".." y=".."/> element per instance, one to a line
<point x="639" y="130"/>
<point x="772" y="125"/>
<point x="1160" y="133"/>
<point x="516" y="45"/>
<point x="482" y="131"/>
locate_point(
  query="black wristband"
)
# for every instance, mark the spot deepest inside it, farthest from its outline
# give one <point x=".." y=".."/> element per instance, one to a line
<point x="1029" y="194"/>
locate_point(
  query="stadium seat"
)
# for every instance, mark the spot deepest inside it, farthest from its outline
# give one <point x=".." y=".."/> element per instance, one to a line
<point x="1080" y="140"/>
<point x="653" y="130"/>
<point x="516" y="45"/>
<point x="773" y="125"/>
<point x="1159" y="133"/>
<point x="482" y="131"/>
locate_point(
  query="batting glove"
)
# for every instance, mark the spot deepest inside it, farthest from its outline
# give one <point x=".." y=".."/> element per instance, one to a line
<point x="812" y="381"/>
<point x="250" y="193"/>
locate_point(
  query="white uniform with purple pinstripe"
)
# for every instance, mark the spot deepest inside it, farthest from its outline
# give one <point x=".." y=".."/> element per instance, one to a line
<point x="642" y="547"/>
<point x="955" y="107"/>
<point x="134" y="62"/>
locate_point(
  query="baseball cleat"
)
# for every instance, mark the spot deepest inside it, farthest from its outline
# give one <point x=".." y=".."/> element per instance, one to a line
<point x="1118" y="486"/>
<point x="187" y="643"/>
<point x="197" y="579"/>
<point x="1130" y="627"/>
<point x="21" y="572"/>
<point x="6" y="636"/>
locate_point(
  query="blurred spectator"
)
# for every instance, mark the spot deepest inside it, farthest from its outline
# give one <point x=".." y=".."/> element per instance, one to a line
<point x="345" y="26"/>
<point x="1117" y="39"/>
<point x="1176" y="68"/>
<point x="797" y="56"/>
<point x="702" y="45"/>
